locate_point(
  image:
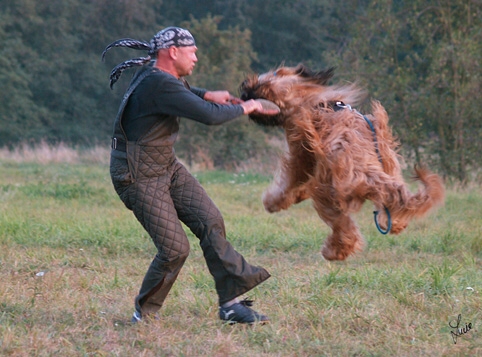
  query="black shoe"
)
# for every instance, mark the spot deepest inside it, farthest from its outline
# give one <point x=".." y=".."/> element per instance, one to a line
<point x="241" y="313"/>
<point x="137" y="317"/>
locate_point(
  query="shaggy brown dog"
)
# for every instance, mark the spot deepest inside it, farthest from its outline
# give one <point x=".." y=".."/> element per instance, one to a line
<point x="335" y="158"/>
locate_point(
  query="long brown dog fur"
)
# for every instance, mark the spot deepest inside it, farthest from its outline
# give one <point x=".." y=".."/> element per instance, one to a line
<point x="332" y="159"/>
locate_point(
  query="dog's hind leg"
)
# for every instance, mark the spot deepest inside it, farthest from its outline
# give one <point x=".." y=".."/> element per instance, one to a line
<point x="405" y="206"/>
<point x="345" y="238"/>
<point x="344" y="241"/>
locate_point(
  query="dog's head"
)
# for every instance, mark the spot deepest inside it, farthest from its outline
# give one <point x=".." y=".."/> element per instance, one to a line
<point x="287" y="87"/>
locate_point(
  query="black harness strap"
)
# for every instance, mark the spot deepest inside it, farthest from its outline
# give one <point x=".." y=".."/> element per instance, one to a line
<point x="119" y="139"/>
<point x="339" y="106"/>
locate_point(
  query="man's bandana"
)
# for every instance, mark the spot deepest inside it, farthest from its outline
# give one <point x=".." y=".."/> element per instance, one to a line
<point x="170" y="36"/>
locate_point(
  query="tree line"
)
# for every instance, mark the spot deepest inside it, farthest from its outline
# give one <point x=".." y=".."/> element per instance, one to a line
<point x="420" y="59"/>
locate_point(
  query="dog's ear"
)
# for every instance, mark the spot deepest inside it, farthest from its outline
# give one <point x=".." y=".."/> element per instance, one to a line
<point x="321" y="77"/>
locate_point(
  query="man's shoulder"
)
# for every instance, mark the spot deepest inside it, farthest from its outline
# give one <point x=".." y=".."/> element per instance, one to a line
<point x="159" y="76"/>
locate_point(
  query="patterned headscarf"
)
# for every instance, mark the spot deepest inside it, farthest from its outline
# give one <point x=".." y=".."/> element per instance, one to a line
<point x="170" y="36"/>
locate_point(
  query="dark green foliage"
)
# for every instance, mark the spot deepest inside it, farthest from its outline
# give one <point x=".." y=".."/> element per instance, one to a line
<point x="224" y="59"/>
<point x="54" y="85"/>
<point x="421" y="60"/>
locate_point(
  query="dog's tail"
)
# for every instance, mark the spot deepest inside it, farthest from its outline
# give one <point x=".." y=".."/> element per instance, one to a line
<point x="432" y="195"/>
<point x="410" y="206"/>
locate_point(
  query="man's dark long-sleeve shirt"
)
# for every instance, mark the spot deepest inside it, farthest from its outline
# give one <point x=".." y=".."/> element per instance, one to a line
<point x="162" y="98"/>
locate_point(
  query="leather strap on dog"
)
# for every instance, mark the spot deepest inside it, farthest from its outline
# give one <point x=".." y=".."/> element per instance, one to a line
<point x="339" y="106"/>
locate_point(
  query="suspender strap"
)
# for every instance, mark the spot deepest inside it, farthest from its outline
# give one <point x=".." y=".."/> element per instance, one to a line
<point x="119" y="133"/>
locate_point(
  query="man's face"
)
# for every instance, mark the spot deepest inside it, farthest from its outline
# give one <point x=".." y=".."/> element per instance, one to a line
<point x="186" y="60"/>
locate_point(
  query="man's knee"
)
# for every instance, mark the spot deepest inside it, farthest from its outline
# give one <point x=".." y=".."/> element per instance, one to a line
<point x="177" y="254"/>
<point x="185" y="252"/>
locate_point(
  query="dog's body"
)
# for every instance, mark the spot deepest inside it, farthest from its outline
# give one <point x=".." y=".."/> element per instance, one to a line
<point x="335" y="159"/>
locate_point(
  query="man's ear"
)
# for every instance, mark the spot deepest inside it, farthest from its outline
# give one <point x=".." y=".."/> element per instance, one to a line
<point x="173" y="52"/>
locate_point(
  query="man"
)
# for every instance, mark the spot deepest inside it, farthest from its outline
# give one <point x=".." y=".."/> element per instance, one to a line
<point x="158" y="188"/>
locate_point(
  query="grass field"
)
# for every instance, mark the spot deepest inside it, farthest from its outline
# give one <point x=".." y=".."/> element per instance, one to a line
<point x="72" y="259"/>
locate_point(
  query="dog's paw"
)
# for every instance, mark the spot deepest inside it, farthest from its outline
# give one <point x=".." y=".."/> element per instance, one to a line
<point x="272" y="202"/>
<point x="332" y="254"/>
<point x="271" y="206"/>
<point x="337" y="248"/>
<point x="398" y="227"/>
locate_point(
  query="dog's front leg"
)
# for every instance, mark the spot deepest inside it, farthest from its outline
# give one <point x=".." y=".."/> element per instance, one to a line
<point x="291" y="183"/>
<point x="278" y="197"/>
<point x="283" y="192"/>
<point x="275" y="198"/>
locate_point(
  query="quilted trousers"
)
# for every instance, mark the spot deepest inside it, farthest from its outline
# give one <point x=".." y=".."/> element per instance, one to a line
<point x="161" y="200"/>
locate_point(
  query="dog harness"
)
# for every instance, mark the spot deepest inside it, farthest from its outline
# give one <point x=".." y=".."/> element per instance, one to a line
<point x="339" y="106"/>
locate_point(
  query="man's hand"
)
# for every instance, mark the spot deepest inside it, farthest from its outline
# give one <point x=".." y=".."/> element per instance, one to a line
<point x="250" y="106"/>
<point x="260" y="106"/>
<point x="221" y="97"/>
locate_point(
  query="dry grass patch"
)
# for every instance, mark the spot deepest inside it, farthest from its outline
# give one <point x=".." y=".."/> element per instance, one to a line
<point x="72" y="259"/>
<point x="44" y="153"/>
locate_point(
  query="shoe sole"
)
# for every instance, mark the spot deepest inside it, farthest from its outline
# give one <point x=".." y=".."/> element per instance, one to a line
<point x="231" y="323"/>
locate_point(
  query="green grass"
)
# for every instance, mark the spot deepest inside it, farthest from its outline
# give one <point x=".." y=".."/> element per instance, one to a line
<point x="72" y="258"/>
